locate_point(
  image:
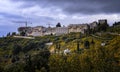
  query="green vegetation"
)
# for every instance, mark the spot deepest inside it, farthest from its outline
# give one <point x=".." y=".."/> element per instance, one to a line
<point x="100" y="59"/>
<point x="23" y="55"/>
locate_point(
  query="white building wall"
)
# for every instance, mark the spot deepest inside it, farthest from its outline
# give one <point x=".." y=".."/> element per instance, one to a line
<point x="61" y="30"/>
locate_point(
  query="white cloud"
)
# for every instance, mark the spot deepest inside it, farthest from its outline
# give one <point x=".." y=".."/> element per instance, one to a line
<point x="8" y="7"/>
<point x="89" y="18"/>
<point x="44" y="12"/>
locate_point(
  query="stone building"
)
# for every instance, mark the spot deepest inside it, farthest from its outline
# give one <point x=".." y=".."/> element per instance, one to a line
<point x="56" y="31"/>
<point x="93" y="25"/>
<point x="37" y="31"/>
<point x="61" y="30"/>
<point x="26" y="30"/>
<point x="78" y="28"/>
<point x="49" y="31"/>
<point x="102" y="21"/>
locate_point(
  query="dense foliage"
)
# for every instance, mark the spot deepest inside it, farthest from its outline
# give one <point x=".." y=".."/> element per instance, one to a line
<point x="23" y="55"/>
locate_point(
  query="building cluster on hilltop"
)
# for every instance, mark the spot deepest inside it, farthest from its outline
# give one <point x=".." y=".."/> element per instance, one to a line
<point x="58" y="30"/>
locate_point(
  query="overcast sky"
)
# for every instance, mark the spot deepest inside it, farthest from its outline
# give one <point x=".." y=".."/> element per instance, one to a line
<point x="42" y="12"/>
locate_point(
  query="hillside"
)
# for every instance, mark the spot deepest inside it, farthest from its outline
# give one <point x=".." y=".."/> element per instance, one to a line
<point x="87" y="54"/>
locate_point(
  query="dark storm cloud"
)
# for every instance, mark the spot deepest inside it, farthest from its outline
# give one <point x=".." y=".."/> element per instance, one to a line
<point x="79" y="6"/>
